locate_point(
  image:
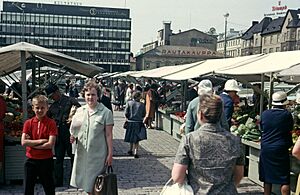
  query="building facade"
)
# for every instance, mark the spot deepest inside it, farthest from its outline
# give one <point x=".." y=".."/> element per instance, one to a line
<point x="273" y="35"/>
<point x="233" y="43"/>
<point x="177" y="48"/>
<point x="97" y="35"/>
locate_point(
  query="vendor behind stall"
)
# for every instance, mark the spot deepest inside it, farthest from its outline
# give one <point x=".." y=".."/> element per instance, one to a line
<point x="59" y="111"/>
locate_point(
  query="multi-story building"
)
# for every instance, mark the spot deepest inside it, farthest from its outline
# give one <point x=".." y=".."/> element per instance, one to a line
<point x="273" y="35"/>
<point x="97" y="35"/>
<point x="177" y="48"/>
<point x="233" y="43"/>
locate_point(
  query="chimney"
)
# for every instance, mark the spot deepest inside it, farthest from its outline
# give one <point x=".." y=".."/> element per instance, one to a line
<point x="167" y="32"/>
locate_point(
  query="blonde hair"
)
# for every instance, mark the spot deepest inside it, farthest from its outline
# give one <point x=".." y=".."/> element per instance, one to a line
<point x="40" y="99"/>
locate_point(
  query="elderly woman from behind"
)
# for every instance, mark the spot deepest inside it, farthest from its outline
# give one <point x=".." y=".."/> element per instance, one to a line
<point x="135" y="131"/>
<point x="212" y="156"/>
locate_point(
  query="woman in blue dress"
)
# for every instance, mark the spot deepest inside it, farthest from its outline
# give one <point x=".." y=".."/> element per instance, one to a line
<point x="274" y="163"/>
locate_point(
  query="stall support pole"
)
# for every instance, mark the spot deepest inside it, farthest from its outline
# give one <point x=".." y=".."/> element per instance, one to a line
<point x="261" y="105"/>
<point x="24" y="85"/>
<point x="33" y="76"/>
<point x="271" y="90"/>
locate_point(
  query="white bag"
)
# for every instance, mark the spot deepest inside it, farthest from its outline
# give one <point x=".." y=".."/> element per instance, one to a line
<point x="177" y="189"/>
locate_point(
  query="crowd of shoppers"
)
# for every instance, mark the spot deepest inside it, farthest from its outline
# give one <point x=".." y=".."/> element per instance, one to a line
<point x="208" y="119"/>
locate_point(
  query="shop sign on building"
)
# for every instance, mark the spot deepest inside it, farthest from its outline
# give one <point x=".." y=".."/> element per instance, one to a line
<point x="187" y="52"/>
<point x="277" y="10"/>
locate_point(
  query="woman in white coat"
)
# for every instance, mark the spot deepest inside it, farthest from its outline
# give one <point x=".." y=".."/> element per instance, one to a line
<point x="91" y="130"/>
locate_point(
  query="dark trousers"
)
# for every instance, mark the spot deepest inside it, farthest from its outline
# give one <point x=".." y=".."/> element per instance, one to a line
<point x="42" y="168"/>
<point x="62" y="146"/>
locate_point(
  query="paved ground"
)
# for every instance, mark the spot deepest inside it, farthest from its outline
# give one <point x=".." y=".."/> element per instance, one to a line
<point x="143" y="176"/>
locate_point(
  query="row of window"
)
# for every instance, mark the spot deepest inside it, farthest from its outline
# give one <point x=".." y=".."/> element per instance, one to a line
<point x="42" y="19"/>
<point x="230" y="43"/>
<point x="66" y="32"/>
<point x="69" y="44"/>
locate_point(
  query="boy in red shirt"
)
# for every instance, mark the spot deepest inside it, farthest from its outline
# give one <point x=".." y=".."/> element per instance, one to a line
<point x="39" y="134"/>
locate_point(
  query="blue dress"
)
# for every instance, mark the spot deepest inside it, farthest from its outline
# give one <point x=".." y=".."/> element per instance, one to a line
<point x="274" y="163"/>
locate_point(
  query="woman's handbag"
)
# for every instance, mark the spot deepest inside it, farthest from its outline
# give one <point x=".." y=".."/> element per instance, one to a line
<point x="177" y="189"/>
<point x="106" y="183"/>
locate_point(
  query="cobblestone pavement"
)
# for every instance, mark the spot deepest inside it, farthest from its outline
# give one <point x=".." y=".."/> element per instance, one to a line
<point x="143" y="176"/>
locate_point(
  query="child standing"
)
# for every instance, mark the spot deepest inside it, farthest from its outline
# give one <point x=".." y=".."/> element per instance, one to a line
<point x="39" y="134"/>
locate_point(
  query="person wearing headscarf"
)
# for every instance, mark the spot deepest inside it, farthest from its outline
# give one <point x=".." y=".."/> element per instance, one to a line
<point x="191" y="122"/>
<point x="228" y="96"/>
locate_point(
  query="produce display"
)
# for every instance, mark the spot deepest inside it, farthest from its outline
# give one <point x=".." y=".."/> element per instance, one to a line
<point x="245" y="124"/>
<point x="13" y="122"/>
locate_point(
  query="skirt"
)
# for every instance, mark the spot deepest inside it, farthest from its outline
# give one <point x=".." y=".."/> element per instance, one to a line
<point x="135" y="132"/>
<point x="274" y="166"/>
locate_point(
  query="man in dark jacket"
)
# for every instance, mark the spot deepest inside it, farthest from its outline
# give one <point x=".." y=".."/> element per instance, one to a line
<point x="59" y="111"/>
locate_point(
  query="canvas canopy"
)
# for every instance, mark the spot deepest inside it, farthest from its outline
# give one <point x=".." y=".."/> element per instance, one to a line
<point x="209" y="66"/>
<point x="273" y="62"/>
<point x="165" y="70"/>
<point x="10" y="59"/>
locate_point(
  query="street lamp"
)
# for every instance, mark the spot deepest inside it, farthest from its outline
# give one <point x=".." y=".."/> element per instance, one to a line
<point x="225" y="33"/>
<point x="21" y="8"/>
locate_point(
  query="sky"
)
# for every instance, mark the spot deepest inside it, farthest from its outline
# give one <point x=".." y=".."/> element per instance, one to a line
<point x="148" y="15"/>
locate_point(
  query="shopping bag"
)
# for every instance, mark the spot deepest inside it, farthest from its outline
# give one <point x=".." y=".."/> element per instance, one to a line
<point x="106" y="183"/>
<point x="177" y="189"/>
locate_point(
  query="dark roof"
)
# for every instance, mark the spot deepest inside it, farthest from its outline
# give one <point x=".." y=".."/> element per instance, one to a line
<point x="256" y="28"/>
<point x="295" y="20"/>
<point x="274" y="26"/>
<point x="262" y="25"/>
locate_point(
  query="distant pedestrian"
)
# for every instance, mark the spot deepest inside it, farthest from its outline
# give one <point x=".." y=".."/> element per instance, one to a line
<point x="135" y="131"/>
<point x="39" y="135"/>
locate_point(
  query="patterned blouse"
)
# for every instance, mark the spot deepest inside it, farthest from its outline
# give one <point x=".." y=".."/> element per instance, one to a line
<point x="211" y="154"/>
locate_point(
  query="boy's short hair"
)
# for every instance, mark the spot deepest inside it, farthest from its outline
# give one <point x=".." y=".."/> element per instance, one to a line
<point x="40" y="99"/>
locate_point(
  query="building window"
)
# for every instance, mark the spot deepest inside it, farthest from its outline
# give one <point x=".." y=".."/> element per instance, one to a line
<point x="271" y="39"/>
<point x="277" y="49"/>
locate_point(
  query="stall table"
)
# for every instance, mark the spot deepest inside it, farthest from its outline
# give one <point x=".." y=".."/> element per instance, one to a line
<point x="176" y="123"/>
<point x="165" y="121"/>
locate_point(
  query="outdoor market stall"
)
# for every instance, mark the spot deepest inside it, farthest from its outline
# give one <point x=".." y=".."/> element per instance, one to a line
<point x="12" y="59"/>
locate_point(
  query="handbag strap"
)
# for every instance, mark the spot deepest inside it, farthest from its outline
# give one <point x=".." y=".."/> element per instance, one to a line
<point x="109" y="169"/>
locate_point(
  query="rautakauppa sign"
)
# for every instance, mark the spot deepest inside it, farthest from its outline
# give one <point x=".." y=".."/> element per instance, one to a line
<point x="187" y="52"/>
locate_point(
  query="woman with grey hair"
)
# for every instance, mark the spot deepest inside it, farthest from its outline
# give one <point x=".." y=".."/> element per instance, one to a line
<point x="212" y="156"/>
<point x="135" y="131"/>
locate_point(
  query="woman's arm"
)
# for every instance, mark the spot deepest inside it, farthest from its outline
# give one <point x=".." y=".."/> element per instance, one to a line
<point x="179" y="173"/>
<point x="296" y="149"/>
<point x="109" y="137"/>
